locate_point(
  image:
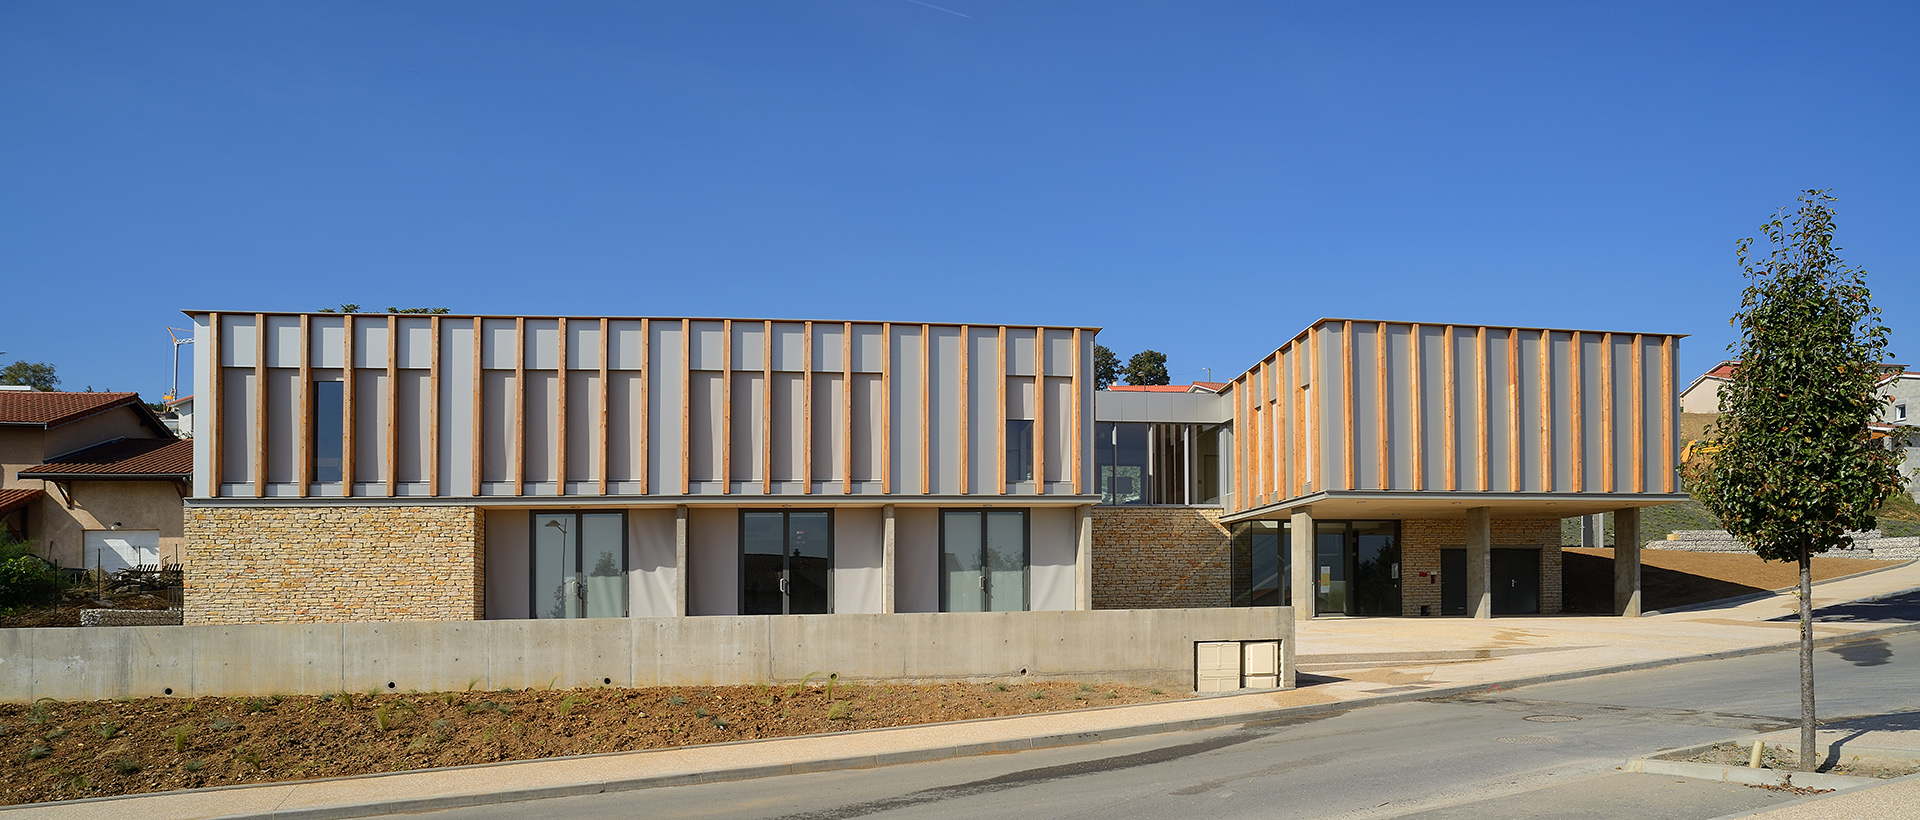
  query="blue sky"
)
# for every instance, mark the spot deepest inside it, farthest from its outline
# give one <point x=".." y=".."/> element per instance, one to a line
<point x="1202" y="179"/>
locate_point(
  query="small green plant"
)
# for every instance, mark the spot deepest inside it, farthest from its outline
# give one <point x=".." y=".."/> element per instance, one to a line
<point x="567" y="703"/>
<point x="180" y="735"/>
<point x="1156" y="690"/>
<point x="256" y="705"/>
<point x="107" y="730"/>
<point x="1036" y="694"/>
<point x="1109" y="694"/>
<point x="194" y="765"/>
<point x="472" y="682"/>
<point x="383" y="716"/>
<point x="556" y="679"/>
<point x="126" y="765"/>
<point x="78" y="783"/>
<point x="485" y="706"/>
<point x="38" y="751"/>
<point x="486" y="735"/>
<point x="419" y="743"/>
<point x="700" y="712"/>
<point x="41" y="711"/>
<point x="832" y="678"/>
<point x="55" y="732"/>
<point x="1000" y="687"/>
<point x="1086" y="687"/>
<point x="839" y="710"/>
<point x="441" y="725"/>
<point x="447" y="698"/>
<point x="676" y="700"/>
<point x="221" y="724"/>
<point x="795" y="690"/>
<point x="719" y="723"/>
<point x="187" y="708"/>
<point x="251" y="757"/>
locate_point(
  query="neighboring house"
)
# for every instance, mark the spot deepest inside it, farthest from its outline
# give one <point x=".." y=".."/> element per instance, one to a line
<point x="179" y="416"/>
<point x="454" y="467"/>
<point x="1904" y="410"/>
<point x="95" y="479"/>
<point x="1703" y="395"/>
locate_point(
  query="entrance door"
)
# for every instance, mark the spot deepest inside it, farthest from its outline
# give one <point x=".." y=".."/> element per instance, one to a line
<point x="1330" y="569"/>
<point x="983" y="558"/>
<point x="579" y="565"/>
<point x="1453" y="582"/>
<point x="1516" y="582"/>
<point x="786" y="561"/>
<point x="1376" y="568"/>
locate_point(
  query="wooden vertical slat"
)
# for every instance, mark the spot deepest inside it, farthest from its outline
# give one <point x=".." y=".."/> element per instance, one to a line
<point x="1606" y="413"/>
<point x="347" y="415"/>
<point x="686" y="406"/>
<point x="1452" y="423"/>
<point x="806" y="400"/>
<point x="1040" y="411"/>
<point x="1380" y="405"/>
<point x="519" y="423"/>
<point x="846" y="407"/>
<point x="966" y="440"/>
<point x="1513" y="409"/>
<point x="560" y="408"/>
<point x="606" y="391"/>
<point x="926" y="409"/>
<point x="886" y="408"/>
<point x="1639" y="416"/>
<point x="259" y="405"/>
<point x="726" y="406"/>
<point x="303" y="406"/>
<point x="1000" y="413"/>
<point x="1666" y="414"/>
<point x="645" y="454"/>
<point x="1480" y="406"/>
<point x="1416" y="405"/>
<point x="433" y="408"/>
<point x="390" y="465"/>
<point x="215" y="408"/>
<point x="479" y="392"/>
<point x="1576" y="449"/>
<point x="1546" y="411"/>
<point x="1347" y="421"/>
<point x="766" y="408"/>
<point x="1079" y="434"/>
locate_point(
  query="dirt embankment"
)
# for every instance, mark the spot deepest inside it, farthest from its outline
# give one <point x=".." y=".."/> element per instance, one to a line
<point x="60" y="751"/>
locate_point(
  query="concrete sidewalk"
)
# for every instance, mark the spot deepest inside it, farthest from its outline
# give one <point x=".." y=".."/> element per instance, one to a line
<point x="1377" y="661"/>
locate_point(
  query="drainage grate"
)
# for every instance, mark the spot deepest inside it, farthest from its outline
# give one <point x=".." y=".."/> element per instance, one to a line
<point x="1552" y="718"/>
<point x="1530" y="739"/>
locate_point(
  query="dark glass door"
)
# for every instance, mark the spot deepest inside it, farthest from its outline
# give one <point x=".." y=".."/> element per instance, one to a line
<point x="1516" y="582"/>
<point x="1330" y="569"/>
<point x="1376" y="568"/>
<point x="786" y="561"/>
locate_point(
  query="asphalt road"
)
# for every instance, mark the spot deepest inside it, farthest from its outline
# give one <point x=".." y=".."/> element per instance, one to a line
<point x="1541" y="751"/>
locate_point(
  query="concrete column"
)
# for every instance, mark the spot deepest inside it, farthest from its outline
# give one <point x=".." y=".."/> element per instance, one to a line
<point x="1626" y="562"/>
<point x="1593" y="530"/>
<point x="1083" y="560"/>
<point x="1306" y="573"/>
<point x="680" y="561"/>
<point x="1480" y="562"/>
<point x="886" y="559"/>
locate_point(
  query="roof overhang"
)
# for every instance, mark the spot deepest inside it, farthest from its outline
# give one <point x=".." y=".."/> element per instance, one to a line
<point x="1387" y="504"/>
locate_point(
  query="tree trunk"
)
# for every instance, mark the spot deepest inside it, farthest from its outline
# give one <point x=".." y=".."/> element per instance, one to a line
<point x="1807" y="761"/>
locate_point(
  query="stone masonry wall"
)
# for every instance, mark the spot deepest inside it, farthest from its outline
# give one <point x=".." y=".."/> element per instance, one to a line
<point x="1421" y="540"/>
<point x="1160" y="557"/>
<point x="347" y="563"/>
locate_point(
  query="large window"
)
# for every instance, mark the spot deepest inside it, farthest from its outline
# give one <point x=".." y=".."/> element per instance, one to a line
<point x="1356" y="567"/>
<point x="579" y="565"/>
<point x="329" y="430"/>
<point x="1019" y="450"/>
<point x="786" y="562"/>
<point x="983" y="560"/>
<point x="1158" y="463"/>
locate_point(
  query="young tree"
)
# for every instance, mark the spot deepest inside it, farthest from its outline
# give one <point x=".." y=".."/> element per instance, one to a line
<point x="1106" y="367"/>
<point x="1147" y="367"/>
<point x="37" y="375"/>
<point x="1792" y="465"/>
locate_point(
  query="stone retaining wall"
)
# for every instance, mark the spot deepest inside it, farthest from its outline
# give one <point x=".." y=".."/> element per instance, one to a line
<point x="1868" y="544"/>
<point x="130" y="617"/>
<point x="316" y="564"/>
<point x="1160" y="557"/>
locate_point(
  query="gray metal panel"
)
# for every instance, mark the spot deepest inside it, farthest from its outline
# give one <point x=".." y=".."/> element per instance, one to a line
<point x="413" y="447"/>
<point x="826" y="346"/>
<point x="1052" y="543"/>
<point x="1060" y="352"/>
<point x="497" y="435"/>
<point x="283" y="420"/>
<point x="1329" y="415"/>
<point x="283" y="341"/>
<point x="583" y="425"/>
<point x="497" y="350"/>
<point x="370" y="341"/>
<point x="369" y="426"/>
<point x="749" y="340"/>
<point x="623" y="426"/>
<point x="944" y="395"/>
<point x="1399" y="406"/>
<point x="704" y="417"/>
<point x="1059" y="428"/>
<point x="749" y="408"/>
<point x="916" y="559"/>
<point x="867" y="410"/>
<point x="509" y="579"/>
<point x="327" y="340"/>
<point x="651" y="574"/>
<point x="858" y="580"/>
<point x="1468" y="393"/>
<point x="624" y="350"/>
<point x="1623" y="413"/>
<point x="1530" y="432"/>
<point x="789" y="426"/>
<point x="1650" y="362"/>
<point x="907" y="431"/>
<point x="541" y="422"/>
<point x="663" y="407"/>
<point x="1562" y="364"/>
<point x="1020" y="351"/>
<point x="1172" y="408"/>
<point x="708" y="346"/>
<point x="828" y="410"/>
<point x="543" y="344"/>
<point x="713" y="561"/>
<point x="456" y="408"/>
<point x="1500" y="442"/>
<point x="983" y="424"/>
<point x="583" y="344"/>
<point x="1366" y="413"/>
<point x="868" y="347"/>
<point x="237" y="340"/>
<point x="415" y="338"/>
<point x="1592" y="442"/>
<point x="789" y="346"/>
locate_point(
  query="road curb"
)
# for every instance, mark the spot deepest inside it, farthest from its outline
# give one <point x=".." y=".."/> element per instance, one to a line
<point x="375" y="808"/>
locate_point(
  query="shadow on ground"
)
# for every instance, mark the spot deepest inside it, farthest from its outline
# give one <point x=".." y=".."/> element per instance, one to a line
<point x="1588" y="586"/>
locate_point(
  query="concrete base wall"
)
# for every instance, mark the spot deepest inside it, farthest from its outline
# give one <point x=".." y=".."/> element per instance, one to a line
<point x="1421" y="540"/>
<point x="1137" y="647"/>
<point x="318" y="564"/>
<point x="1152" y="557"/>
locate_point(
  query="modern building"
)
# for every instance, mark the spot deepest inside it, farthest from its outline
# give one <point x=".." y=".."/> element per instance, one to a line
<point x="379" y="467"/>
<point x="94" y="479"/>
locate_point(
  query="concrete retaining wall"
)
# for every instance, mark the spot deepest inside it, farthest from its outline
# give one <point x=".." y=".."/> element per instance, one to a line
<point x="1137" y="647"/>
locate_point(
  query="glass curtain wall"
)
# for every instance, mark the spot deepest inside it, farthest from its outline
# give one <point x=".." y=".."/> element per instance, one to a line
<point x="579" y="565"/>
<point x="1259" y="564"/>
<point x="329" y="430"/>
<point x="983" y="561"/>
<point x="1356" y="567"/>
<point x="1148" y="463"/>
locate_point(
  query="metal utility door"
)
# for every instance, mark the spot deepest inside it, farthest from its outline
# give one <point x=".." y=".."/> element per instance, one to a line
<point x="1516" y="582"/>
<point x="1453" y="582"/>
<point x="115" y="550"/>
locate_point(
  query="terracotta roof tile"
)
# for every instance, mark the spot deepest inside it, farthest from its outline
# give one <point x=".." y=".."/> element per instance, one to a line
<point x="11" y="500"/>
<point x="122" y="458"/>
<point x="54" y="409"/>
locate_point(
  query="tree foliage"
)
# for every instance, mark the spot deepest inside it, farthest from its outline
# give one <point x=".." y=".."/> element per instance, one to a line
<point x="1793" y="465"/>
<point x="37" y="375"/>
<point x="353" y="308"/>
<point x="1106" y="367"/>
<point x="1147" y="367"/>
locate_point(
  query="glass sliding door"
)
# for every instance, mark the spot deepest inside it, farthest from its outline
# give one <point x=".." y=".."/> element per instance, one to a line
<point x="983" y="561"/>
<point x="1330" y="559"/>
<point x="786" y="562"/>
<point x="579" y="565"/>
<point x="1376" y="568"/>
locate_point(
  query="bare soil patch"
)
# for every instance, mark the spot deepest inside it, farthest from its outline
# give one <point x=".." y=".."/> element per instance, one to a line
<point x="1781" y="758"/>
<point x="1670" y="578"/>
<point x="65" y="750"/>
